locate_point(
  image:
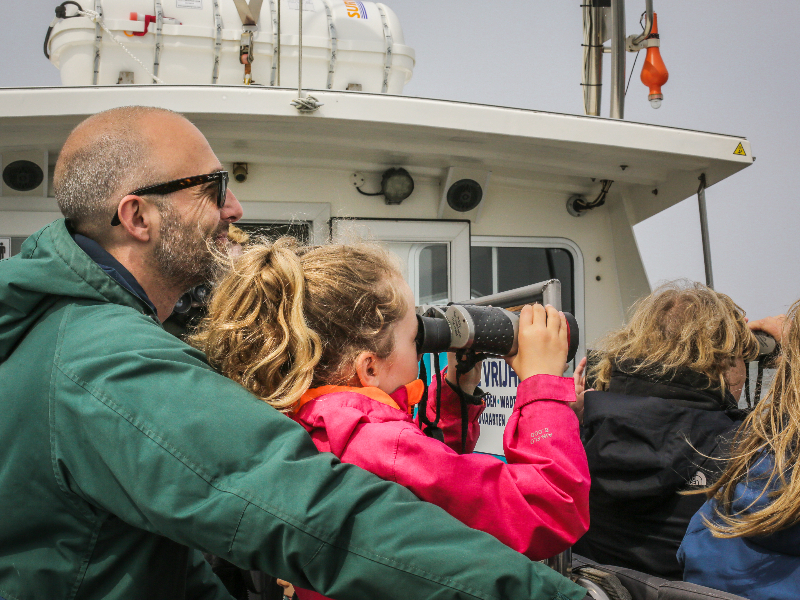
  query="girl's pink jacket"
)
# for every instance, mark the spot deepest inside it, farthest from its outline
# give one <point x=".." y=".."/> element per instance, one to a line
<point x="537" y="504"/>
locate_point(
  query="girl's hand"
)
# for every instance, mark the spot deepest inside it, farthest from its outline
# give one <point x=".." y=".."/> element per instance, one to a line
<point x="543" y="342"/>
<point x="468" y="381"/>
<point x="580" y="389"/>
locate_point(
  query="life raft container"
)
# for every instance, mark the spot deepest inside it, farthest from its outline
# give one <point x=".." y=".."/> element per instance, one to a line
<point x="345" y="44"/>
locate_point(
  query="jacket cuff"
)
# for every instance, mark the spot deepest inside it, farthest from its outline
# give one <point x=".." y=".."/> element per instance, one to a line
<point x="545" y="387"/>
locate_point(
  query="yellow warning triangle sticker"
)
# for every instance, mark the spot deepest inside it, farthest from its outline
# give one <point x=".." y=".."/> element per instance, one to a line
<point x="740" y="150"/>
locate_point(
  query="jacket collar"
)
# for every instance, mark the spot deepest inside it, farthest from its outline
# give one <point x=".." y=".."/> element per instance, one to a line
<point x="113" y="268"/>
<point x="682" y="385"/>
<point x="405" y="397"/>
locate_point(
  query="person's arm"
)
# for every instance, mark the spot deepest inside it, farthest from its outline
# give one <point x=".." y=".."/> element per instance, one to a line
<point x="538" y="503"/>
<point x="143" y="429"/>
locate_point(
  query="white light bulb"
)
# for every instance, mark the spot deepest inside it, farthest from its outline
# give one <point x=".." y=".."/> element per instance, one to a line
<point x="655" y="100"/>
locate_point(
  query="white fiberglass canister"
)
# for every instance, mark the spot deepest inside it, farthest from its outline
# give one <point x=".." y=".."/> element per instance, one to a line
<point x="347" y="44"/>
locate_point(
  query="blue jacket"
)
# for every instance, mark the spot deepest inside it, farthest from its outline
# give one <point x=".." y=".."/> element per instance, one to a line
<point x="759" y="568"/>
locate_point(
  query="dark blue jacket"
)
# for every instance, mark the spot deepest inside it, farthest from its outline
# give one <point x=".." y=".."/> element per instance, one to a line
<point x="759" y="568"/>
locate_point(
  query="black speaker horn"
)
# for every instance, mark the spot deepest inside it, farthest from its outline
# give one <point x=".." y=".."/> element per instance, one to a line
<point x="23" y="175"/>
<point x="464" y="195"/>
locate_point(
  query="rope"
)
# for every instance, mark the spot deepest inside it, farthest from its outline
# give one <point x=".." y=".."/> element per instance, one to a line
<point x="275" y="42"/>
<point x="387" y="36"/>
<point x="97" y="19"/>
<point x="217" y="42"/>
<point x="334" y="45"/>
<point x="61" y="13"/>
<point x="307" y="105"/>
<point x="278" y="83"/>
<point x="98" y="40"/>
<point x="159" y="26"/>
<point x="300" y="56"/>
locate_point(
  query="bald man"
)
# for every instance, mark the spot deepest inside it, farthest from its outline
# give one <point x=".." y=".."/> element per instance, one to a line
<point x="122" y="453"/>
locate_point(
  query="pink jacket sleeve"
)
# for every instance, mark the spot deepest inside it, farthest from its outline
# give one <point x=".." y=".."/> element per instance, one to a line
<point x="537" y="504"/>
<point x="450" y="416"/>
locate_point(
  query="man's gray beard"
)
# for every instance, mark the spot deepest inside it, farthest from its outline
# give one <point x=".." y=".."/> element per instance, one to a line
<point x="183" y="252"/>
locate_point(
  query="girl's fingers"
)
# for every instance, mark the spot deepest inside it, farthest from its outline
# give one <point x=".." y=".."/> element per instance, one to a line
<point x="563" y="333"/>
<point x="553" y="320"/>
<point x="539" y="315"/>
<point x="526" y="315"/>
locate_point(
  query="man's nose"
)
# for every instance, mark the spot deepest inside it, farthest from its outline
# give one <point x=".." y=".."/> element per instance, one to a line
<point x="232" y="211"/>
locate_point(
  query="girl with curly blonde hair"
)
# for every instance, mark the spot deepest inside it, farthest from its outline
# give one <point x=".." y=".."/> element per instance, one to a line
<point x="327" y="334"/>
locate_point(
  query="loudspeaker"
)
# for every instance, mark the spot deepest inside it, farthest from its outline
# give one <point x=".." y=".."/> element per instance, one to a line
<point x="24" y="173"/>
<point x="464" y="195"/>
<point x="463" y="192"/>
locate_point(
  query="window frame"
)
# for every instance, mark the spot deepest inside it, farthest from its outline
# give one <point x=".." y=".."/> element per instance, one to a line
<point x="316" y="214"/>
<point x="414" y="269"/>
<point x="578" y="287"/>
<point x="454" y="233"/>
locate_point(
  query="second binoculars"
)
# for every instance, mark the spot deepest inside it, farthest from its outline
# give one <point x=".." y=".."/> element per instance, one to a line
<point x="481" y="329"/>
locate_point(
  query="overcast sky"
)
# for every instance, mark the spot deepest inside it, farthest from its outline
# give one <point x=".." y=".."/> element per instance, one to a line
<point x="732" y="70"/>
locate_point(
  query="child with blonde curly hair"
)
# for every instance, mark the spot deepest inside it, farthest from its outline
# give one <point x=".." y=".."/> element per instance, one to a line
<point x="327" y="334"/>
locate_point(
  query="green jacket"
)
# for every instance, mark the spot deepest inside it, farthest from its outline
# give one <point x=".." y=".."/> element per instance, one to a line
<point x="120" y="449"/>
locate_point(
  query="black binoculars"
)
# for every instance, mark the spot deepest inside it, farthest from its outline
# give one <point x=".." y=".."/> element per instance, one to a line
<point x="194" y="298"/>
<point x="486" y="330"/>
<point x="767" y="345"/>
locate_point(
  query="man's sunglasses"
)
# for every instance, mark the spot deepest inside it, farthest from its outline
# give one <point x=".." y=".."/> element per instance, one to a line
<point x="218" y="177"/>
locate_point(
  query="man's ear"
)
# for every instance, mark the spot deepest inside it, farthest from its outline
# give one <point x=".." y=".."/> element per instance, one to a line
<point x="137" y="217"/>
<point x="368" y="369"/>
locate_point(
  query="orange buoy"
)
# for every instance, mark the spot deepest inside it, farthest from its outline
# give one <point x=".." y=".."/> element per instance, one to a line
<point x="654" y="72"/>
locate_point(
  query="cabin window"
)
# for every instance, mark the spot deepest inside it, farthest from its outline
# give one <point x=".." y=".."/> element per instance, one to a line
<point x="432" y="274"/>
<point x="498" y="267"/>
<point x="434" y="254"/>
<point x="297" y="229"/>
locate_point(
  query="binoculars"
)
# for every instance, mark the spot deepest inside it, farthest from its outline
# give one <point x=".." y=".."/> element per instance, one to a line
<point x="767" y="345"/>
<point x="194" y="298"/>
<point x="487" y="330"/>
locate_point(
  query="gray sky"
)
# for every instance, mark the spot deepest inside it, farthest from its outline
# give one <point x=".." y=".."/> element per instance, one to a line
<point x="732" y="70"/>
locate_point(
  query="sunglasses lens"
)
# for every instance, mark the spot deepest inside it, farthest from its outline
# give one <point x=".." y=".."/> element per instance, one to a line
<point x="223" y="190"/>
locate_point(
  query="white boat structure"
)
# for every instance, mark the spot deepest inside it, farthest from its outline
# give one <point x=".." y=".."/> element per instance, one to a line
<point x="305" y="154"/>
<point x="328" y="146"/>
